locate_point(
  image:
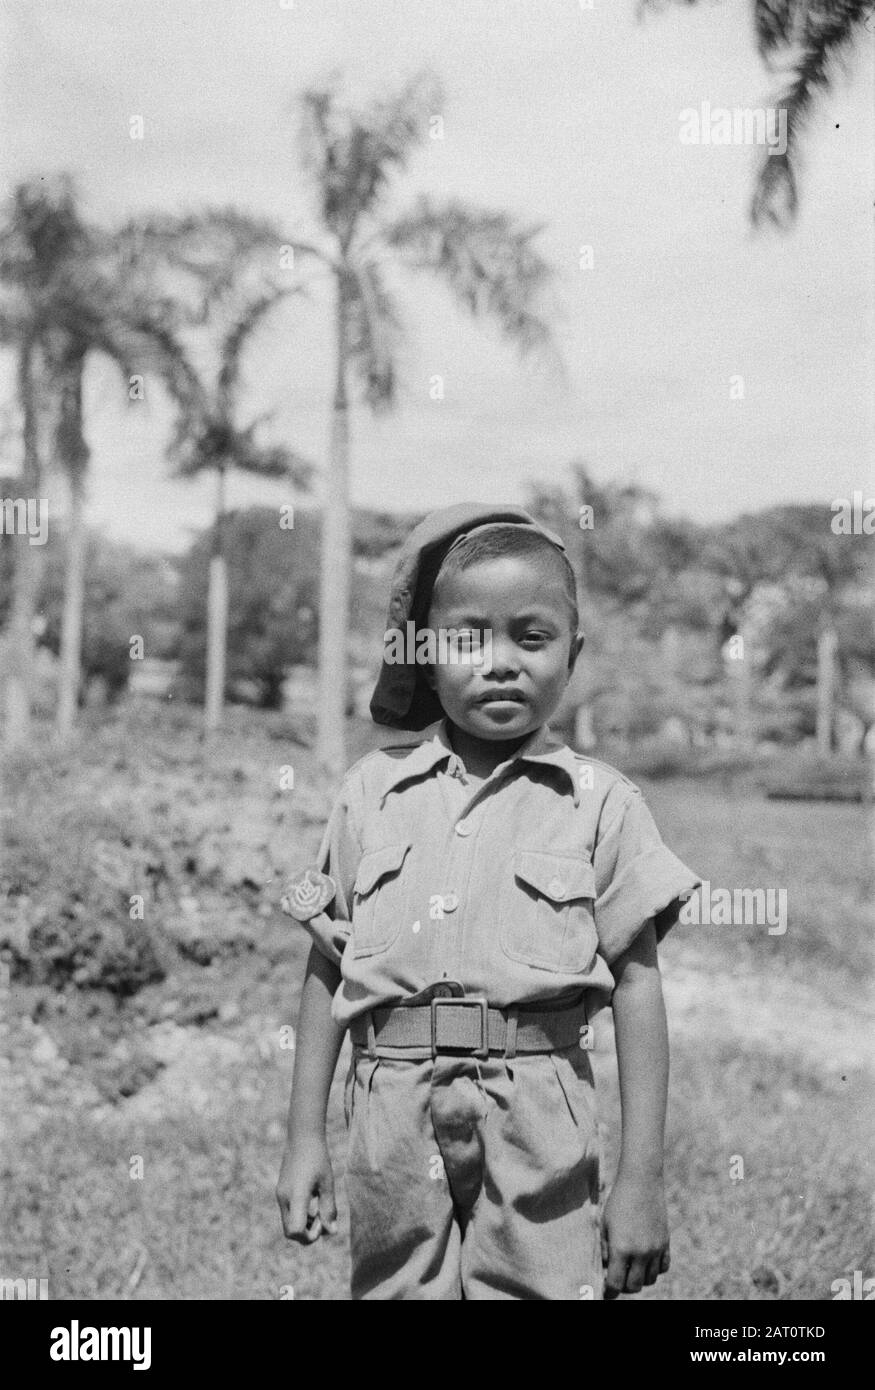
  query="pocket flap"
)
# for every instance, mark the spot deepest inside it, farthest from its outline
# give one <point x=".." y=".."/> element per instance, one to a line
<point x="377" y="863"/>
<point x="560" y="877"/>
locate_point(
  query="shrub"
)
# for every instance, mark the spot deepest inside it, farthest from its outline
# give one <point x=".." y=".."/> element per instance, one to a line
<point x="67" y="949"/>
<point x="69" y="871"/>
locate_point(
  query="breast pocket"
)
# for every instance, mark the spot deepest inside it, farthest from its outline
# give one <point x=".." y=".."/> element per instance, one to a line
<point x="378" y="907"/>
<point x="547" y="911"/>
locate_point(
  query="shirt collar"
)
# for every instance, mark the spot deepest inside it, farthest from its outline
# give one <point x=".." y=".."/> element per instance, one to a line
<point x="542" y="746"/>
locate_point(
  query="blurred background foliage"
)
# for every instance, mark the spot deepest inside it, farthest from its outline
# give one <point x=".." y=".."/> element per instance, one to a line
<point x="660" y="598"/>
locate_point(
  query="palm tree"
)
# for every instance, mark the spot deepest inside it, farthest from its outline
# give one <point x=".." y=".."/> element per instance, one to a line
<point x="62" y="307"/>
<point x="487" y="259"/>
<point x="208" y="437"/>
<point x="808" y="40"/>
<point x="28" y="558"/>
<point x="72" y="290"/>
<point x="99" y="307"/>
<point x="223" y="268"/>
<point x="39" y="229"/>
<point x="73" y="455"/>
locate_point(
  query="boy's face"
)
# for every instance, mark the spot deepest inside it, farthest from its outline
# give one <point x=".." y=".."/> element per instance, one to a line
<point x="521" y="601"/>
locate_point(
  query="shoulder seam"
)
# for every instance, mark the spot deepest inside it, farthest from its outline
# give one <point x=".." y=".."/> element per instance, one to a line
<point x="636" y="791"/>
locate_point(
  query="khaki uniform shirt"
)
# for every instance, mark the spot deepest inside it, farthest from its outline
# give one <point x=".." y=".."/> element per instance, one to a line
<point x="524" y="887"/>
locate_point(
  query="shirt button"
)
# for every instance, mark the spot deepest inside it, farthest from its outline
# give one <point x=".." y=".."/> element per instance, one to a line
<point x="556" y="887"/>
<point x="450" y="902"/>
<point x="463" y="827"/>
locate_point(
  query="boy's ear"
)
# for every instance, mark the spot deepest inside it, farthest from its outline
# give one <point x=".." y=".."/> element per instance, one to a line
<point x="577" y="642"/>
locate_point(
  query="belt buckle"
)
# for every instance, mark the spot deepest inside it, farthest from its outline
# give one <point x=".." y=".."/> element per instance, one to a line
<point x="477" y="1001"/>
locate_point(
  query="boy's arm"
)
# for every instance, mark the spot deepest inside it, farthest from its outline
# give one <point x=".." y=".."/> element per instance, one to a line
<point x="635" y="1220"/>
<point x="305" y="1189"/>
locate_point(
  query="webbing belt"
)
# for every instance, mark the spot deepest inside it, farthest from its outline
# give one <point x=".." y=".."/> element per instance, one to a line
<point x="467" y="1024"/>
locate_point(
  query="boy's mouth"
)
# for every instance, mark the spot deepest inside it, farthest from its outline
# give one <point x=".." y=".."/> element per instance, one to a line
<point x="499" y="696"/>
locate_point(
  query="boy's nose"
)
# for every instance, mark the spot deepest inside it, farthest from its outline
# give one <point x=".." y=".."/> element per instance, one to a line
<point x="500" y="659"/>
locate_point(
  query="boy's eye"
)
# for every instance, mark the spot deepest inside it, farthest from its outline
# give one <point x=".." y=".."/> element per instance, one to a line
<point x="535" y="638"/>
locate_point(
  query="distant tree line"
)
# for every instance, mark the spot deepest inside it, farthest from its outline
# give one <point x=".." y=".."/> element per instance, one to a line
<point x="759" y="628"/>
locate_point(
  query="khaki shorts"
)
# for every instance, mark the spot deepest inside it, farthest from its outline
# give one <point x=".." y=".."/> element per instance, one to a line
<point x="474" y="1178"/>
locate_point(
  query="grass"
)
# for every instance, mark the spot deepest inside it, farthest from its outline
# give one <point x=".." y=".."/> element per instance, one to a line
<point x="201" y="1223"/>
<point x="795" y="1213"/>
<point x="817" y="851"/>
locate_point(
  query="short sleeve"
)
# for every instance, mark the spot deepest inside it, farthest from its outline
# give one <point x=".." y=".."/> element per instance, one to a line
<point x="637" y="877"/>
<point x="338" y="855"/>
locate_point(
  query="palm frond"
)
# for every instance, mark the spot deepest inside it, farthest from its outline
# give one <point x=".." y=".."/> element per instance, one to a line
<point x="830" y="29"/>
<point x="488" y="260"/>
<point x="239" y="334"/>
<point x="271" y="460"/>
<point x="777" y="23"/>
<point x="157" y="351"/>
<point x="198" y="443"/>
<point x="213" y="441"/>
<point x="352" y="154"/>
<point x="41" y="230"/>
<point x="214" y="251"/>
<point x="809" y="39"/>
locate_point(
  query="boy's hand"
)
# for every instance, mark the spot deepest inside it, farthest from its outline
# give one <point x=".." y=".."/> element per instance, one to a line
<point x="634" y="1235"/>
<point x="305" y="1191"/>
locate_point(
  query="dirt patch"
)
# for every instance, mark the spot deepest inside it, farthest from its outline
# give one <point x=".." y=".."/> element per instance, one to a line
<point x="772" y="1013"/>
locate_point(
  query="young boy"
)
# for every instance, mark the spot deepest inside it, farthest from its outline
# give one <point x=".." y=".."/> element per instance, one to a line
<point x="486" y="890"/>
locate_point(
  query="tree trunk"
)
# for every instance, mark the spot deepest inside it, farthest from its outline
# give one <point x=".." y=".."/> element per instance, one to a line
<point x="737" y="664"/>
<point x="26" y="578"/>
<point x="743" y="704"/>
<point x="826" y="650"/>
<point x="217" y="616"/>
<point x="73" y="458"/>
<point x="335" y="572"/>
<point x="70" y="673"/>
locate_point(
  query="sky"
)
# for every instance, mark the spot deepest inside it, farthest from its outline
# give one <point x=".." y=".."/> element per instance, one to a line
<point x="564" y="114"/>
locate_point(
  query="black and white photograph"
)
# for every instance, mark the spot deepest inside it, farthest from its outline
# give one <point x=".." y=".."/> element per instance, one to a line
<point x="437" y="664"/>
